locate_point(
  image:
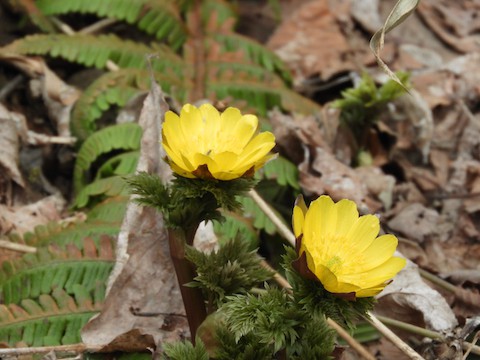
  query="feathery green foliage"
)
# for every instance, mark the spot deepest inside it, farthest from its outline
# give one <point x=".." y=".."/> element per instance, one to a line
<point x="182" y="350"/>
<point x="271" y="317"/>
<point x="246" y="348"/>
<point x="54" y="319"/>
<point x="275" y="320"/>
<point x="232" y="269"/>
<point x="317" y="301"/>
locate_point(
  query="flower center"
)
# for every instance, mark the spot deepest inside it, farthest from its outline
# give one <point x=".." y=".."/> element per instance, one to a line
<point x="334" y="264"/>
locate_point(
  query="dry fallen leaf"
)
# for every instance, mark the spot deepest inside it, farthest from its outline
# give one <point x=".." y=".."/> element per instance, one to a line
<point x="10" y="145"/>
<point x="409" y="299"/>
<point x="415" y="222"/>
<point x="456" y="23"/>
<point x="143" y="307"/>
<point x="312" y="41"/>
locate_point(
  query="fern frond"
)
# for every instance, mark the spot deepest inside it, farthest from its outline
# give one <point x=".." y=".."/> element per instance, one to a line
<point x="283" y="171"/>
<point x="160" y="18"/>
<point x="254" y="51"/>
<point x="122" y="164"/>
<point x="110" y="210"/>
<point x="262" y="96"/>
<point x="123" y="136"/>
<point x="56" y="268"/>
<point x="52" y="320"/>
<point x="110" y="186"/>
<point x="90" y="50"/>
<point x="117" y="88"/>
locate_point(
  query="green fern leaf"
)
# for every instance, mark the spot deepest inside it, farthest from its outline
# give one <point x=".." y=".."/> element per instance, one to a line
<point x="111" y="186"/>
<point x="260" y="220"/>
<point x="124" y="136"/>
<point x="52" y="320"/>
<point x="90" y="50"/>
<point x="122" y="164"/>
<point x="111" y="210"/>
<point x="55" y="268"/>
<point x="284" y="172"/>
<point x="160" y="18"/>
<point x="262" y="95"/>
<point x="254" y="51"/>
<point x="117" y="88"/>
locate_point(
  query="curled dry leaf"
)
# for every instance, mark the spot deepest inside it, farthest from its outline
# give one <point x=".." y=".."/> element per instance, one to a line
<point x="143" y="306"/>
<point x="408" y="298"/>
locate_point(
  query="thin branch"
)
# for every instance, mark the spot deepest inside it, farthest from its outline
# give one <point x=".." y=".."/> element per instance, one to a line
<point x="475" y="349"/>
<point x="437" y="281"/>
<point x="390" y="335"/>
<point x="281" y="227"/>
<point x="350" y="340"/>
<point x="5" y="244"/>
<point x="99" y="25"/>
<point x="74" y="348"/>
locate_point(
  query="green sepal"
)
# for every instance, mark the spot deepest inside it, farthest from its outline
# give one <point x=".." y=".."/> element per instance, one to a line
<point x="314" y="299"/>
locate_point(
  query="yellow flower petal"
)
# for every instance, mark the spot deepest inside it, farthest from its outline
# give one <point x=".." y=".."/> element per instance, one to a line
<point x="298" y="219"/>
<point x="225" y="143"/>
<point x="343" y="249"/>
<point x="347" y="216"/>
<point x="364" y="231"/>
<point x="377" y="275"/>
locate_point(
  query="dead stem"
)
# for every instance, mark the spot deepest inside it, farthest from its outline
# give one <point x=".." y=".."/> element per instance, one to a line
<point x="192" y="297"/>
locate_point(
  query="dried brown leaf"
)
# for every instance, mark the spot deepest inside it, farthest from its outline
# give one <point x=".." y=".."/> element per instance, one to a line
<point x="143" y="306"/>
<point x="409" y="299"/>
<point x="443" y="16"/>
<point x="312" y="40"/>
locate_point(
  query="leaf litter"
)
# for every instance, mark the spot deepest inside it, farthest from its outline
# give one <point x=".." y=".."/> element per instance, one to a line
<point x="423" y="182"/>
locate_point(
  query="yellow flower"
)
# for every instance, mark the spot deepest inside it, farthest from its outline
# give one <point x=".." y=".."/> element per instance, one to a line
<point x="342" y="250"/>
<point x="202" y="143"/>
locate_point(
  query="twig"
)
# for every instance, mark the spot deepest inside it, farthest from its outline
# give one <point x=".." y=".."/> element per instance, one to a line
<point x="437" y="281"/>
<point x="10" y="86"/>
<point x="390" y="335"/>
<point x="99" y="25"/>
<point x="350" y="340"/>
<point x="281" y="227"/>
<point x="425" y="332"/>
<point x="469" y="348"/>
<point x="75" y="348"/>
<point x="5" y="244"/>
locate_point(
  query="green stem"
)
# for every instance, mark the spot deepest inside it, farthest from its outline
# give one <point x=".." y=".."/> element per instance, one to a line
<point x="475" y="349"/>
<point x="192" y="297"/>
